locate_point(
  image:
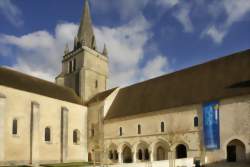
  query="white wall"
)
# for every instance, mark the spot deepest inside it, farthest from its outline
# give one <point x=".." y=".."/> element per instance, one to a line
<point x="17" y="147"/>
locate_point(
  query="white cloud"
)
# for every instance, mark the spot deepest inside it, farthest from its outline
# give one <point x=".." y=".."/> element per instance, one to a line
<point x="11" y="12"/>
<point x="40" y="53"/>
<point x="215" y="34"/>
<point x="126" y="50"/>
<point x="182" y="15"/>
<point x="158" y="66"/>
<point x="167" y="3"/>
<point x="126" y="9"/>
<point x="235" y="11"/>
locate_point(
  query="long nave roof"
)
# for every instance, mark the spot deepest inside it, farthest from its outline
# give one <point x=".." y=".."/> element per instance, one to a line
<point x="221" y="78"/>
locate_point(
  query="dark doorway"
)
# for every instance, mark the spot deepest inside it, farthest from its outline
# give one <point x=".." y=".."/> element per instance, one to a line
<point x="127" y="155"/>
<point x="231" y="153"/>
<point x="160" y="153"/>
<point x="89" y="157"/>
<point x="236" y="151"/>
<point x="181" y="151"/>
<point x="147" y="156"/>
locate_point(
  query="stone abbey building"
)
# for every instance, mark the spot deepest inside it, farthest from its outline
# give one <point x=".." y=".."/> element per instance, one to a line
<point x="202" y="112"/>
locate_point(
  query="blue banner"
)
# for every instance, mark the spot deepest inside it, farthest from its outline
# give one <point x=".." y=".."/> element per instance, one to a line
<point x="211" y="125"/>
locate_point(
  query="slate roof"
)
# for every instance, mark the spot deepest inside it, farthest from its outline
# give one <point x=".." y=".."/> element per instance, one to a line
<point x="20" y="81"/>
<point x="221" y="78"/>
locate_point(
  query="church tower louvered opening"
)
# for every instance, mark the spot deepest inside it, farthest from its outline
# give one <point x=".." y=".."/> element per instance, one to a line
<point x="84" y="68"/>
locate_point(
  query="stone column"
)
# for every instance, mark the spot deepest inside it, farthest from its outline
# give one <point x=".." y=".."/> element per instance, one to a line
<point x="134" y="157"/>
<point x="120" y="157"/>
<point x="64" y="134"/>
<point x="151" y="155"/>
<point x="34" y="133"/>
<point x="2" y="129"/>
<point x="171" y="158"/>
<point x="143" y="155"/>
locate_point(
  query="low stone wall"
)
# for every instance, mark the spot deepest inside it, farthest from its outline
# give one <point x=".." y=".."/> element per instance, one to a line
<point x="187" y="162"/>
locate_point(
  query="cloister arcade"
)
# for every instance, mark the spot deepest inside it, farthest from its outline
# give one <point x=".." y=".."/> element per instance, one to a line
<point x="143" y="152"/>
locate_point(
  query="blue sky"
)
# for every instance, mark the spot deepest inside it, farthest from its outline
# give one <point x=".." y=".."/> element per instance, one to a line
<point x="145" y="38"/>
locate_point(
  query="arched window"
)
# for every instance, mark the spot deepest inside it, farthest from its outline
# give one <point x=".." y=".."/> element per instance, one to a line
<point x="140" y="154"/>
<point x="196" y="121"/>
<point x="139" y="129"/>
<point x="162" y="127"/>
<point x="120" y="131"/>
<point x="47" y="134"/>
<point x="146" y="154"/>
<point x="14" y="127"/>
<point x="76" y="136"/>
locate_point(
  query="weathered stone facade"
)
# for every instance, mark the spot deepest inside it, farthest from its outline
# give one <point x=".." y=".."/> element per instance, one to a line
<point x="34" y="113"/>
<point x="157" y="120"/>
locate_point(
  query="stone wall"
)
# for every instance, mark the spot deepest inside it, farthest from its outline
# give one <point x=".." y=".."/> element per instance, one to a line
<point x="46" y="112"/>
<point x="179" y="129"/>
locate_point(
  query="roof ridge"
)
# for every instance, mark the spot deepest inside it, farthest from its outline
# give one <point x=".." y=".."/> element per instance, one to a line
<point x="189" y="68"/>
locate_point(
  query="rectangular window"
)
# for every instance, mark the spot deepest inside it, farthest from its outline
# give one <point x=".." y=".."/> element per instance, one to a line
<point x="162" y="127"/>
<point x="47" y="134"/>
<point x="120" y="131"/>
<point x="139" y="129"/>
<point x="96" y="83"/>
<point x="14" y="127"/>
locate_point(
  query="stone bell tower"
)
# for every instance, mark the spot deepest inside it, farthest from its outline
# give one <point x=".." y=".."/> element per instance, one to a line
<point x="84" y="69"/>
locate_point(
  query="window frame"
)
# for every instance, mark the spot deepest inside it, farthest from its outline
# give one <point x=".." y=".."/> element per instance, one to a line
<point x="77" y="137"/>
<point x="139" y="131"/>
<point x="196" y="121"/>
<point x="16" y="134"/>
<point x="120" y="131"/>
<point x="50" y="135"/>
<point x="162" y="126"/>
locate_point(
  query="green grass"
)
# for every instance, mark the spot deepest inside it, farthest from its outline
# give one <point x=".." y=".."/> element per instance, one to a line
<point x="67" y="164"/>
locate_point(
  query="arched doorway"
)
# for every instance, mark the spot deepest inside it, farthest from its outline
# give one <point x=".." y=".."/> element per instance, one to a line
<point x="181" y="151"/>
<point x="127" y="155"/>
<point x="160" y="153"/>
<point x="236" y="151"/>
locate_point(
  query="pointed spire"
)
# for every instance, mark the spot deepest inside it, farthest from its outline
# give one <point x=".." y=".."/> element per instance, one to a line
<point x="105" y="51"/>
<point x="85" y="32"/>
